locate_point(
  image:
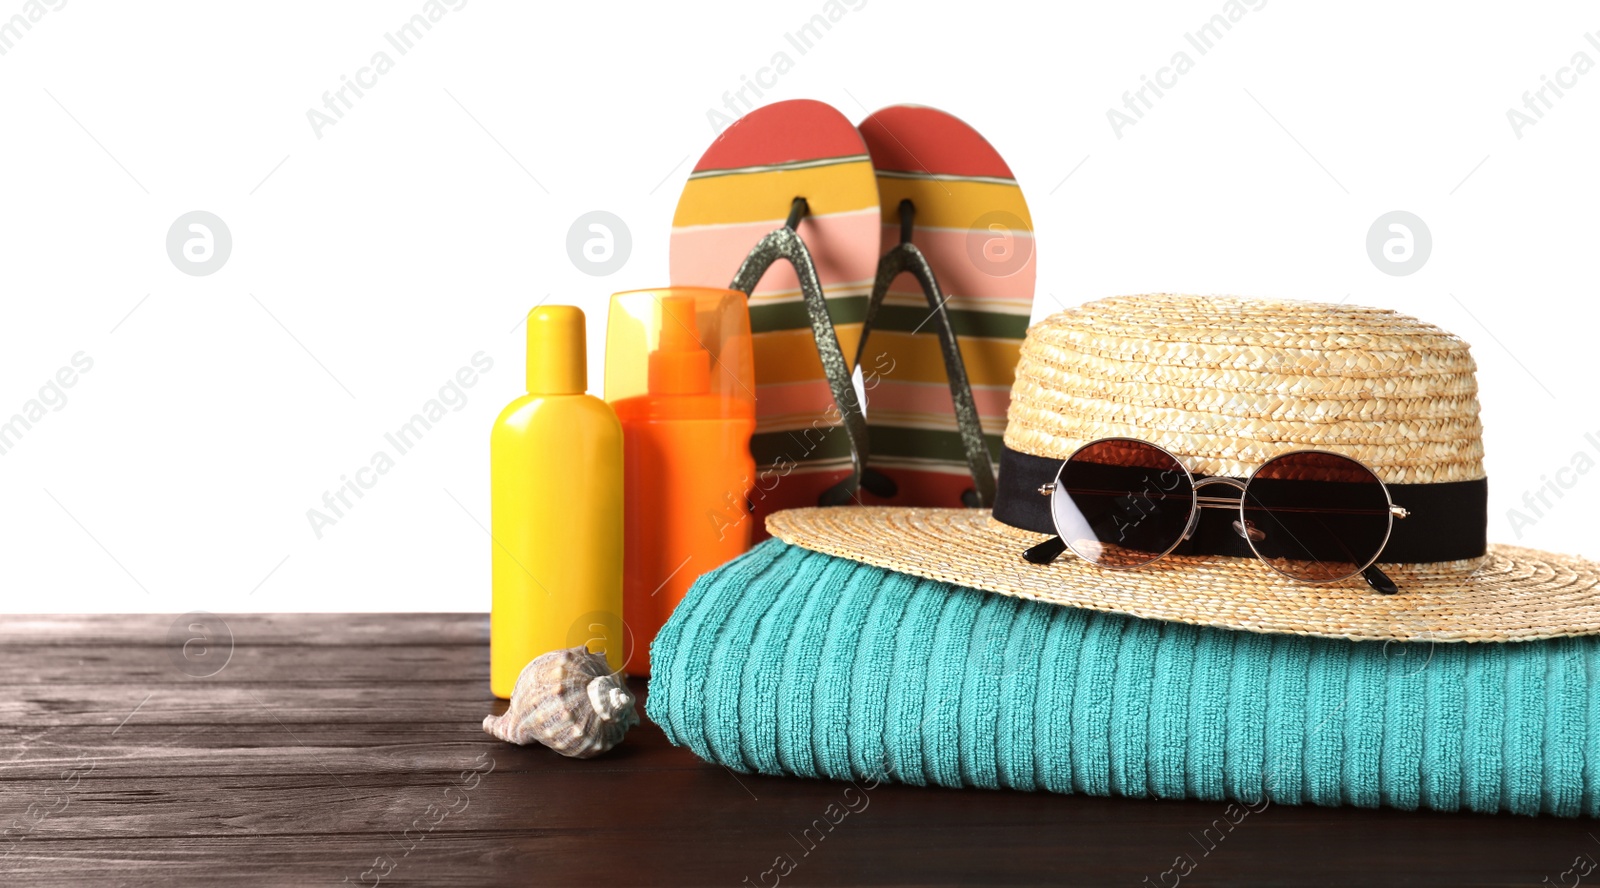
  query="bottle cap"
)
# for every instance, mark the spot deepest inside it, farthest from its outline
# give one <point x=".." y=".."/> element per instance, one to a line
<point x="679" y="364"/>
<point x="557" y="358"/>
<point x="680" y="342"/>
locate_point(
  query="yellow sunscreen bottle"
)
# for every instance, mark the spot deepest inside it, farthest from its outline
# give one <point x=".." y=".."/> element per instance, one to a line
<point x="555" y="467"/>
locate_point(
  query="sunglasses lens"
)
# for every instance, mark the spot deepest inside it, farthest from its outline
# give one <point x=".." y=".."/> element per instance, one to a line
<point x="1316" y="517"/>
<point x="1122" y="503"/>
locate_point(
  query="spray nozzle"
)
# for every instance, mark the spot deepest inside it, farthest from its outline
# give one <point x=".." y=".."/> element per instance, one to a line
<point x="679" y="365"/>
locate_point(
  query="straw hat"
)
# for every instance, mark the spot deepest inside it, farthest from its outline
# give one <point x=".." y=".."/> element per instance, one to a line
<point x="1224" y="384"/>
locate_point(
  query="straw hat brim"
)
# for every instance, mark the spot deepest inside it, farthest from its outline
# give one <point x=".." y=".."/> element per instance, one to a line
<point x="1516" y="594"/>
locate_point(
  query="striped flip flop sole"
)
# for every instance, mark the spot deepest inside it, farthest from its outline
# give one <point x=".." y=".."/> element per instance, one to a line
<point x="740" y="191"/>
<point x="973" y="225"/>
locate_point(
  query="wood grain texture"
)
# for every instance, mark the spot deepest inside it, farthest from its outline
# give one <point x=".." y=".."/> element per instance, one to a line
<point x="321" y="756"/>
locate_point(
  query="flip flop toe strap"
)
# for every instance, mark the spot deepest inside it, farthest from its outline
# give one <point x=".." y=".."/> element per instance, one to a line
<point x="785" y="243"/>
<point x="906" y="257"/>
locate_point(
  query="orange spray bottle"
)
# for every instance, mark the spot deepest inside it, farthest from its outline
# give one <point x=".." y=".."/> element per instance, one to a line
<point x="680" y="376"/>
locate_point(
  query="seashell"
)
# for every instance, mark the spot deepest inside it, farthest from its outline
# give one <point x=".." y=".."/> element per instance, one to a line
<point x="570" y="701"/>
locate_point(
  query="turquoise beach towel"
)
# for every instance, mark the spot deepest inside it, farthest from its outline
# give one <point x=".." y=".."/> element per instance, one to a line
<point x="786" y="661"/>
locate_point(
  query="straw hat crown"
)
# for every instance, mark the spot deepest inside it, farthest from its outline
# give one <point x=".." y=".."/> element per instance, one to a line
<point x="1226" y="383"/>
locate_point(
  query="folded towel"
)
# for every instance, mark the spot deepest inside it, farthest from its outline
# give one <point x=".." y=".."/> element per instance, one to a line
<point x="786" y="661"/>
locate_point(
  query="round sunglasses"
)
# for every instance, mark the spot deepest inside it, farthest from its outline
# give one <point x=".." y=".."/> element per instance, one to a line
<point x="1311" y="515"/>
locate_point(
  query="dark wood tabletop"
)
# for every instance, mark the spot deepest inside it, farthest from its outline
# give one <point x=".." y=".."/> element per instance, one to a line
<point x="327" y="749"/>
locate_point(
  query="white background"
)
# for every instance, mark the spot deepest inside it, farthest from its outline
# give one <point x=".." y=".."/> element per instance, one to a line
<point x="371" y="263"/>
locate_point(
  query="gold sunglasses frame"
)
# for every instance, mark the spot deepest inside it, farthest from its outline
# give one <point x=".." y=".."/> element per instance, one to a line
<point x="1242" y="526"/>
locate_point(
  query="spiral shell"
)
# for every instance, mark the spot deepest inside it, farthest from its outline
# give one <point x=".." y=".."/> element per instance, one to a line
<point x="570" y="701"/>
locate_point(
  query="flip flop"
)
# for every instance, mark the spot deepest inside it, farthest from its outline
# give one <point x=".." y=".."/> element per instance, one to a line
<point x="970" y="224"/>
<point x="808" y="440"/>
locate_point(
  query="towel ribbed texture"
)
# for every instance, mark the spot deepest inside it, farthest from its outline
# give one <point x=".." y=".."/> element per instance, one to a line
<point x="786" y="661"/>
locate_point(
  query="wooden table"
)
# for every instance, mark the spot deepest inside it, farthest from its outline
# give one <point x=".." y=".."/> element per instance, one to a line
<point x="347" y="749"/>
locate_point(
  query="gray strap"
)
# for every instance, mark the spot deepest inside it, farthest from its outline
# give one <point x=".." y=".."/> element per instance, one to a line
<point x="784" y="243"/>
<point x="906" y="257"/>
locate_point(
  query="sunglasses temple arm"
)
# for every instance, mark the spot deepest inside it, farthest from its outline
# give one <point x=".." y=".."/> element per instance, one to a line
<point x="1051" y="549"/>
<point x="1379" y="580"/>
<point x="1045" y="552"/>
